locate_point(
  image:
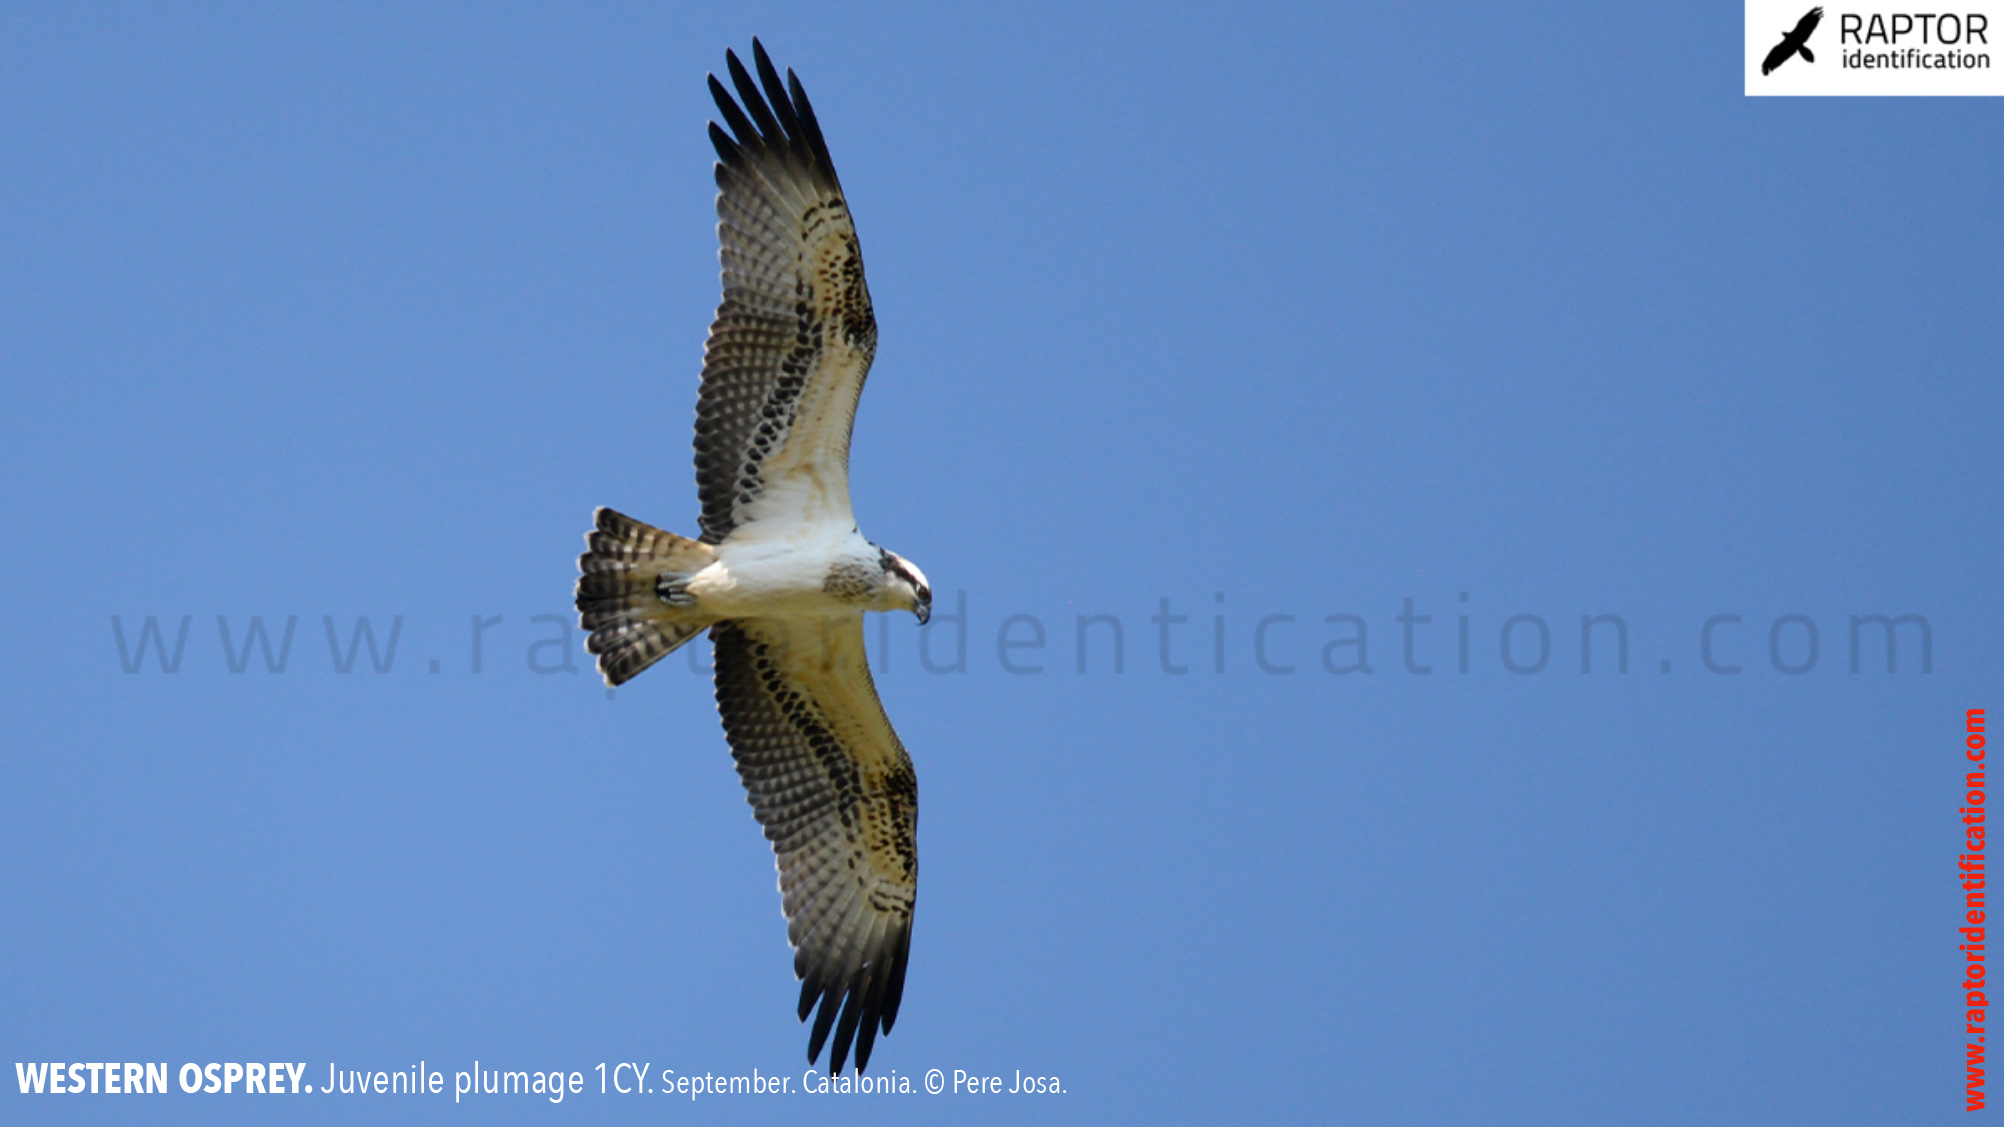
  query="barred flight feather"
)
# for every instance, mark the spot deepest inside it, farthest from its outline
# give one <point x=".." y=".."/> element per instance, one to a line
<point x="828" y="779"/>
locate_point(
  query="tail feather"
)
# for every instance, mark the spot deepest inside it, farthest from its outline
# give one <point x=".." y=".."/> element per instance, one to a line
<point x="626" y="593"/>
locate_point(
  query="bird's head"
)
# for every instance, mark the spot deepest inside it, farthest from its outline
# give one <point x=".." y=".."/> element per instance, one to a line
<point x="905" y="587"/>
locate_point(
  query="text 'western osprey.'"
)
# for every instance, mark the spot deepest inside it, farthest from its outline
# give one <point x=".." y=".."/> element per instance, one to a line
<point x="781" y="575"/>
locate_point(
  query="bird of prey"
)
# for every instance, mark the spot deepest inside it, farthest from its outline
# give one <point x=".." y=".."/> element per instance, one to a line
<point x="781" y="575"/>
<point x="1793" y="42"/>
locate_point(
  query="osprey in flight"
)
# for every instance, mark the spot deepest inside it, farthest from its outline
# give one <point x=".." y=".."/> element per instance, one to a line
<point x="781" y="576"/>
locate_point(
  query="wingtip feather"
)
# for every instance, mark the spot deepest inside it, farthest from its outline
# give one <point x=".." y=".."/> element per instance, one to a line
<point x="823" y="1021"/>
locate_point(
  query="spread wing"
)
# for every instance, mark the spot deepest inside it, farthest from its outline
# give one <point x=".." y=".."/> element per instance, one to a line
<point x="1778" y="56"/>
<point x="793" y="339"/>
<point x="1806" y="25"/>
<point x="834" y="789"/>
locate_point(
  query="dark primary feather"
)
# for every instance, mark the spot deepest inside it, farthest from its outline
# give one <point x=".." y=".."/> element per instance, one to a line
<point x="795" y="321"/>
<point x="834" y="789"/>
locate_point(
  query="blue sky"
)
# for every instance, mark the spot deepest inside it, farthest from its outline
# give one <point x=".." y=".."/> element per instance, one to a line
<point x="1280" y="316"/>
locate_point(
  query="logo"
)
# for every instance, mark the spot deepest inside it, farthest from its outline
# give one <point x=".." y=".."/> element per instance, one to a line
<point x="1873" y="48"/>
<point x="1794" y="43"/>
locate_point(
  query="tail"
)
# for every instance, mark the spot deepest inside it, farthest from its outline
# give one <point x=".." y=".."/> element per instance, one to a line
<point x="629" y="595"/>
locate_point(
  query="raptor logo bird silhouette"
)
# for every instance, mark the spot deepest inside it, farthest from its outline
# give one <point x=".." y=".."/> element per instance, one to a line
<point x="1794" y="42"/>
<point x="781" y="575"/>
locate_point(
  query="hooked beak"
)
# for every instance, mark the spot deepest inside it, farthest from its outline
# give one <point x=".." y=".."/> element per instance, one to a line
<point x="924" y="612"/>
